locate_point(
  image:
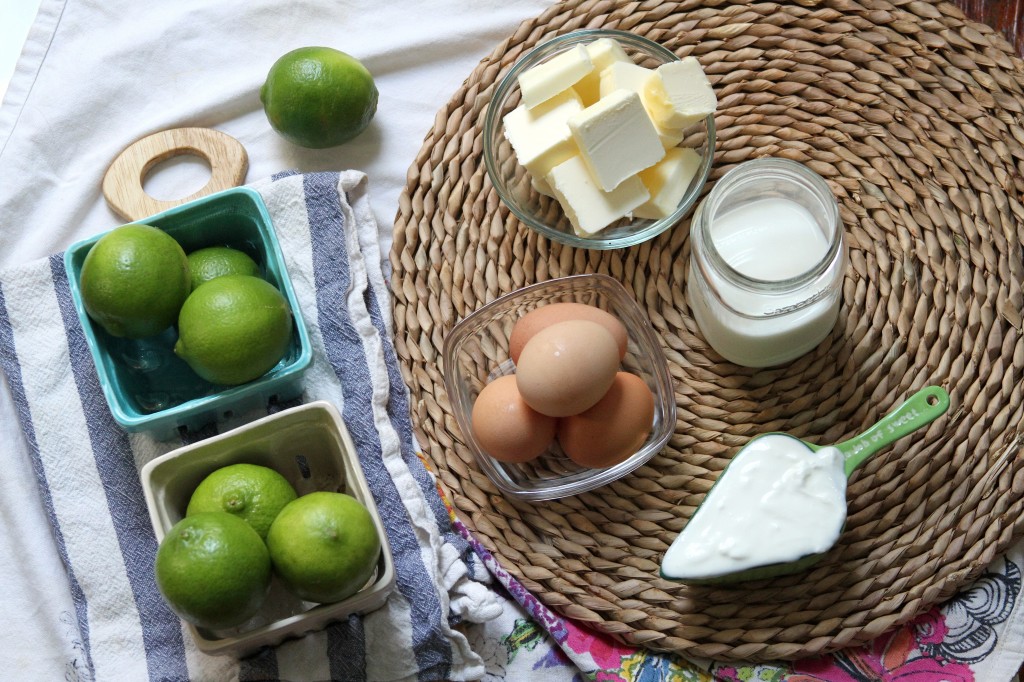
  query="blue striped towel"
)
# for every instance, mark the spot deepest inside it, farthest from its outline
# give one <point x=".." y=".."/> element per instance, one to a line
<point x="88" y="468"/>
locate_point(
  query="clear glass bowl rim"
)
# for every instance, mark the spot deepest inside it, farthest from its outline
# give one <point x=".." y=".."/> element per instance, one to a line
<point x="492" y="123"/>
<point x="659" y="371"/>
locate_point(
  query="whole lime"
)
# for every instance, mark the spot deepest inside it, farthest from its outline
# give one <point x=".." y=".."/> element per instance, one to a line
<point x="253" y="493"/>
<point x="217" y="261"/>
<point x="134" y="280"/>
<point x="213" y="570"/>
<point x="324" y="546"/>
<point x="233" y="329"/>
<point x="318" y="97"/>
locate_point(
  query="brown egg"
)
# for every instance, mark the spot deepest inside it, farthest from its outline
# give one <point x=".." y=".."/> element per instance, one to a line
<point x="539" y="318"/>
<point x="614" y="428"/>
<point x="506" y="427"/>
<point x="567" y="367"/>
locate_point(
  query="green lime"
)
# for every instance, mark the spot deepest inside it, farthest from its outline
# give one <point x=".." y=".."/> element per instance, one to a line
<point x="318" y="97"/>
<point x="134" y="280"/>
<point x="217" y="261"/>
<point x="251" y="492"/>
<point x="233" y="329"/>
<point x="213" y="569"/>
<point x="324" y="546"/>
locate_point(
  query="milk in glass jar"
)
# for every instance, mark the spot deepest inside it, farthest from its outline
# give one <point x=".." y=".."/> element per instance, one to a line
<point x="767" y="258"/>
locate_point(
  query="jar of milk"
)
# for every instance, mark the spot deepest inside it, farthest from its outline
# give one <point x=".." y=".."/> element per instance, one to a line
<point x="767" y="257"/>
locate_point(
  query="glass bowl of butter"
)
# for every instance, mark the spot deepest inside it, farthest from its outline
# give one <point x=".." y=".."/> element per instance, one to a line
<point x="600" y="139"/>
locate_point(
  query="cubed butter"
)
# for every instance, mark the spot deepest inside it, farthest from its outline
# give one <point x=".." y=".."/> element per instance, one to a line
<point x="630" y="76"/>
<point x="616" y="138"/>
<point x="670" y="137"/>
<point x="540" y="136"/>
<point x="541" y="186"/>
<point x="667" y="181"/>
<point x="680" y="94"/>
<point x="544" y="81"/>
<point x="622" y="76"/>
<point x="603" y="53"/>
<point x="589" y="208"/>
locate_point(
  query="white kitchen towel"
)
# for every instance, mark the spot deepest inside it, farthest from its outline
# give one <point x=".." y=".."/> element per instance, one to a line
<point x="87" y="467"/>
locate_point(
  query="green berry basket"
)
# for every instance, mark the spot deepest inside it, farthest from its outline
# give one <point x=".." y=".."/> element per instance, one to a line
<point x="147" y="387"/>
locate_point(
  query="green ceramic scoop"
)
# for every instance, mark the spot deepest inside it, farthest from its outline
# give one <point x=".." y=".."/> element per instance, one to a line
<point x="918" y="410"/>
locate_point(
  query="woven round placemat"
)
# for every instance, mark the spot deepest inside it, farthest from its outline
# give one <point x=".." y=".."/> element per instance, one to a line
<point x="914" y="116"/>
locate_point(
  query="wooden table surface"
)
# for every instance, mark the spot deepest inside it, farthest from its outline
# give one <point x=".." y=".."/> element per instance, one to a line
<point x="1005" y="15"/>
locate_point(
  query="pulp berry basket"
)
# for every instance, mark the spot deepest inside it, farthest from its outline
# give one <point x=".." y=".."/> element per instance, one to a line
<point x="308" y="445"/>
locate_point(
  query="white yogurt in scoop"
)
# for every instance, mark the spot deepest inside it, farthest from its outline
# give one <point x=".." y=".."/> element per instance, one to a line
<point x="776" y="502"/>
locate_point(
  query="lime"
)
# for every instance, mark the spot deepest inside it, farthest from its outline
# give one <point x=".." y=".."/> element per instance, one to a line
<point x="233" y="329"/>
<point x="318" y="97"/>
<point x="324" y="546"/>
<point x="217" y="261"/>
<point x="213" y="569"/>
<point x="134" y="280"/>
<point x="251" y="492"/>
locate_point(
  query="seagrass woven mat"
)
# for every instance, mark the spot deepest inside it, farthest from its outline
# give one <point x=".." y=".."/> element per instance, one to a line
<point x="914" y="116"/>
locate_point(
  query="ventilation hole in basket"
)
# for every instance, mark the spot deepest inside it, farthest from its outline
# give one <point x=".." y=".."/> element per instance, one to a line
<point x="228" y="414"/>
<point x="303" y="466"/>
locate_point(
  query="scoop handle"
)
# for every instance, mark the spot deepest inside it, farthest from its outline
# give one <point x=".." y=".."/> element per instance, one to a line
<point x="919" y="410"/>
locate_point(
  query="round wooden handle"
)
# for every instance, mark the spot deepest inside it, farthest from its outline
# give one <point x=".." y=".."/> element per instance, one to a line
<point x="122" y="183"/>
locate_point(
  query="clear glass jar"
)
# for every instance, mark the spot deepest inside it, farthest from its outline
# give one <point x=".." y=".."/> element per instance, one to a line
<point x="767" y="258"/>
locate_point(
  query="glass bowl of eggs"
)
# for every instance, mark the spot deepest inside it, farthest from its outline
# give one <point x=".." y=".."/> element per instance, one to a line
<point x="559" y="387"/>
<point x="600" y="139"/>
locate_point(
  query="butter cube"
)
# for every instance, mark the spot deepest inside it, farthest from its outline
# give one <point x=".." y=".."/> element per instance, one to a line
<point x="630" y="76"/>
<point x="680" y="94"/>
<point x="622" y="76"/>
<point x="541" y="186"/>
<point x="670" y="137"/>
<point x="540" y="136"/>
<point x="544" y="81"/>
<point x="603" y="53"/>
<point x="589" y="208"/>
<point x="667" y="181"/>
<point x="616" y="138"/>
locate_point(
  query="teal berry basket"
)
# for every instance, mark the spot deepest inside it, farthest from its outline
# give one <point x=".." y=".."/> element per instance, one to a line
<point x="147" y="387"/>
